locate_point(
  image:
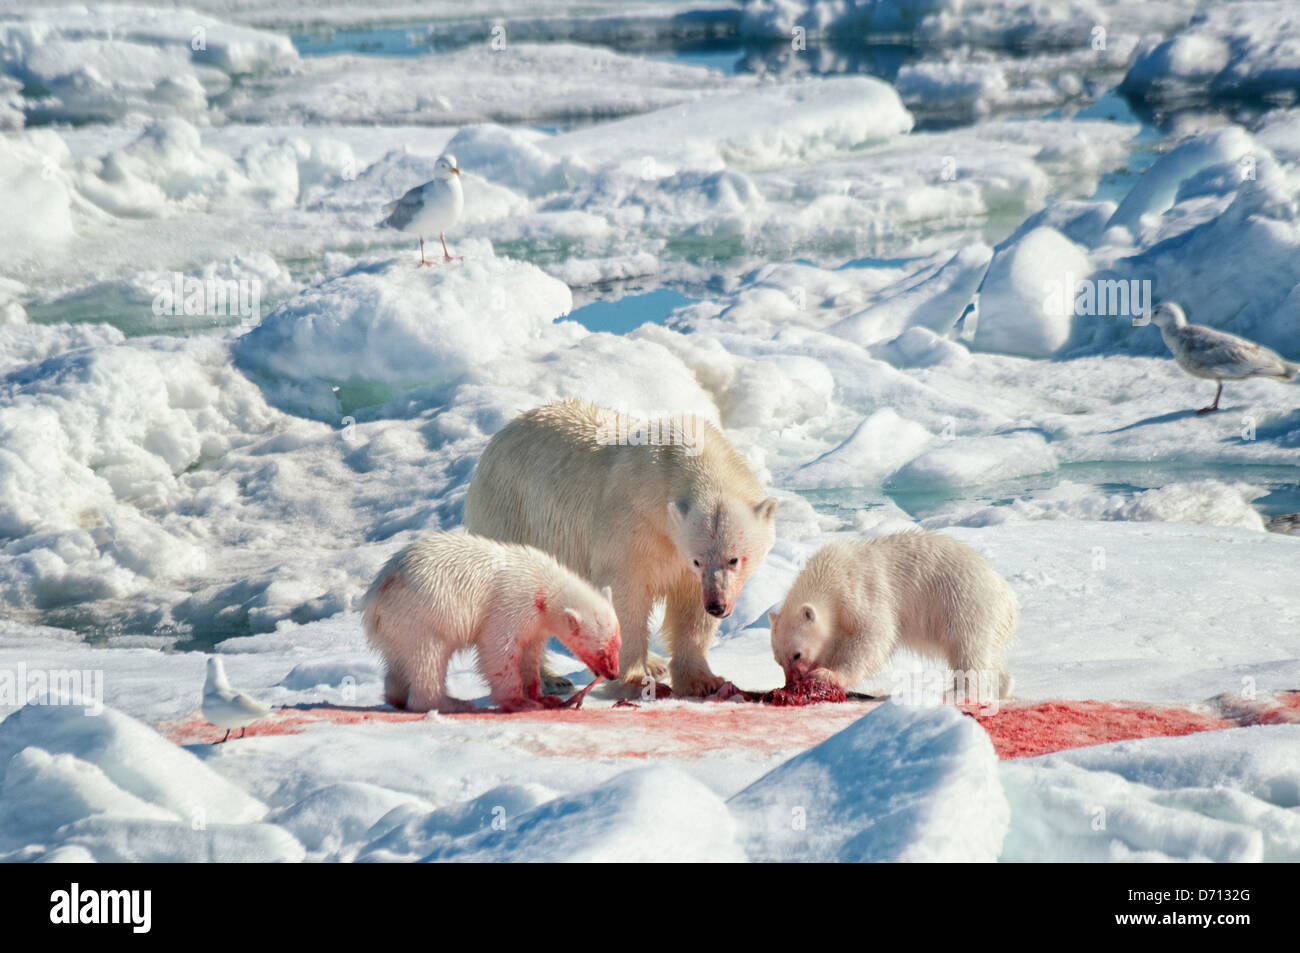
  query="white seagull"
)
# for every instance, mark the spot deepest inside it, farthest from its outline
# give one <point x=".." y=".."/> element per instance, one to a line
<point x="1217" y="355"/>
<point x="225" y="707"/>
<point x="429" y="208"/>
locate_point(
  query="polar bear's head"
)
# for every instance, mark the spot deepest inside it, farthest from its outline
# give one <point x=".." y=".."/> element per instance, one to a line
<point x="722" y="544"/>
<point x="588" y="626"/>
<point x="801" y="639"/>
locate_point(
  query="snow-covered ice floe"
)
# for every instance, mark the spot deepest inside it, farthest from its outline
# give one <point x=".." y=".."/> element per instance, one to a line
<point x="1245" y="50"/>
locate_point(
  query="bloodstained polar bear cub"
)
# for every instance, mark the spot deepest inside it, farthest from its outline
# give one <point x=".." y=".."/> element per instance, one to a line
<point x="857" y="601"/>
<point x="455" y="591"/>
<point x="659" y="509"/>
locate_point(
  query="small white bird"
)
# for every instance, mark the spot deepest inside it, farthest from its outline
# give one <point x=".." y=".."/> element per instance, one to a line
<point x="432" y="207"/>
<point x="1217" y="355"/>
<point x="225" y="707"/>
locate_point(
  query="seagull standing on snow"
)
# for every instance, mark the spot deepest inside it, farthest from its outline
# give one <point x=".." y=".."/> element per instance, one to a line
<point x="225" y="707"/>
<point x="432" y="207"/>
<point x="1217" y="355"/>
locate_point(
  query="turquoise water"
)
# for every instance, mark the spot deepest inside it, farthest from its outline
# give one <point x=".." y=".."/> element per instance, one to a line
<point x="414" y="39"/>
<point x="1123" y="479"/>
<point x="1112" y="106"/>
<point x="621" y="315"/>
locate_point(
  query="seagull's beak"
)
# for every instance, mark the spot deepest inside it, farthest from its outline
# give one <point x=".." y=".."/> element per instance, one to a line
<point x="455" y="171"/>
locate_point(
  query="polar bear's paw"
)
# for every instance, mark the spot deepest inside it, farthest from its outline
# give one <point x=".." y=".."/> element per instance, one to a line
<point x="455" y="706"/>
<point x="656" y="666"/>
<point x="511" y="705"/>
<point x="553" y="684"/>
<point x="696" y="683"/>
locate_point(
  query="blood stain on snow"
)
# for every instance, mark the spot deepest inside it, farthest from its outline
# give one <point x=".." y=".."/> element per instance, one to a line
<point x="1023" y="731"/>
<point x="693" y="729"/>
<point x="193" y="729"/>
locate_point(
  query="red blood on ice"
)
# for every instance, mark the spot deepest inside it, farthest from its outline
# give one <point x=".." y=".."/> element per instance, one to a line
<point x="1022" y="731"/>
<point x="687" y="729"/>
<point x="798" y="692"/>
<point x="805" y="692"/>
<point x="194" y="729"/>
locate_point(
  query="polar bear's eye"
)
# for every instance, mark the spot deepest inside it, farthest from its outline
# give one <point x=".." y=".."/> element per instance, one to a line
<point x="697" y="563"/>
<point x="796" y="657"/>
<point x="735" y="561"/>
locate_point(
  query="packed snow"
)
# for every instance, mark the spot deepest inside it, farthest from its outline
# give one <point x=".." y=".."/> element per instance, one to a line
<point x="913" y="292"/>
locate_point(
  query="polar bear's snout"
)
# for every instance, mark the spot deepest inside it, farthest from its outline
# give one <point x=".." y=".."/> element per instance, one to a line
<point x="603" y="658"/>
<point x="797" y="667"/>
<point x="605" y="662"/>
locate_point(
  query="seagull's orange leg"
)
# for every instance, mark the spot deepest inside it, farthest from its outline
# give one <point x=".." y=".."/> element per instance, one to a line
<point x="423" y="263"/>
<point x="446" y="254"/>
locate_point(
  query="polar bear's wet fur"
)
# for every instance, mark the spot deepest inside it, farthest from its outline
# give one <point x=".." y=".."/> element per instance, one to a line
<point x="455" y="591"/>
<point x="856" y="601"/>
<point x="664" y="509"/>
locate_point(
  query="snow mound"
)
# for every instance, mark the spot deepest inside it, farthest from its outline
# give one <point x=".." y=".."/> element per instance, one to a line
<point x="1157" y="190"/>
<point x="1018" y="312"/>
<point x="409" y="832"/>
<point x="900" y="784"/>
<point x="1224" y="796"/>
<point x="1248" y="49"/>
<point x="1220" y="203"/>
<point x="527" y="82"/>
<point x="42" y="792"/>
<point x="119" y="841"/>
<point x="645" y="815"/>
<point x="778" y="19"/>
<point x="92" y="443"/>
<point x="308" y="675"/>
<point x="127" y="753"/>
<point x="968" y="461"/>
<point x="934" y="301"/>
<point x="341" y="813"/>
<point x="761" y="128"/>
<point x="1207" y="502"/>
<point x="104" y="62"/>
<point x="878" y="446"/>
<point x="385" y="329"/>
<point x="39" y="194"/>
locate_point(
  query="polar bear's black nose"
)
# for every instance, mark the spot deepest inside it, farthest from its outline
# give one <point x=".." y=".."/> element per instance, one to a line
<point x="716" y="608"/>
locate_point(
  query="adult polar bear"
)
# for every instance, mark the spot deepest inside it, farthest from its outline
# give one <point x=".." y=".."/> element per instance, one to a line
<point x="659" y="509"/>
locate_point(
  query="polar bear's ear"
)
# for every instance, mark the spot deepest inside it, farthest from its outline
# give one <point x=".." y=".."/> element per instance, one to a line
<point x="773" y="616"/>
<point x="766" y="511"/>
<point x="608" y="593"/>
<point x="809" y="613"/>
<point x="575" y="620"/>
<point x="676" y="514"/>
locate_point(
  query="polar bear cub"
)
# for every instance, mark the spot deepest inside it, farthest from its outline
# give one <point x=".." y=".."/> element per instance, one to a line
<point x="455" y="591"/>
<point x="856" y="601"/>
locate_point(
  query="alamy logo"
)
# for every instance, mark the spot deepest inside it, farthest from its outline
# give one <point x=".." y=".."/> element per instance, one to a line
<point x="677" y="430"/>
<point x="1117" y="298"/>
<point x="52" y="686"/>
<point x="212" y="297"/>
<point x="133" y="907"/>
<point x="931" y="687"/>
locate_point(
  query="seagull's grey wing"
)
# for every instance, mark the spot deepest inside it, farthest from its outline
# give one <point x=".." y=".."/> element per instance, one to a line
<point x="250" y="706"/>
<point x="404" y="209"/>
<point x="1229" y="355"/>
